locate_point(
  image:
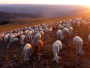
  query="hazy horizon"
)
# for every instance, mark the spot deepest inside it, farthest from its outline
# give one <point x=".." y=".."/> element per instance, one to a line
<point x="87" y="6"/>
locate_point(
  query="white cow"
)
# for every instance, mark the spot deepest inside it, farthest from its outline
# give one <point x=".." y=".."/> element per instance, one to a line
<point x="66" y="32"/>
<point x="26" y="32"/>
<point x="12" y="36"/>
<point x="89" y="38"/>
<point x="29" y="32"/>
<point x="57" y="46"/>
<point x="13" y="42"/>
<point x="59" y="35"/>
<point x="71" y="31"/>
<point x="6" y="38"/>
<point x="78" y="24"/>
<point x="60" y="27"/>
<point x="78" y="42"/>
<point x="27" y="51"/>
<point x="42" y="34"/>
<point x="22" y="39"/>
<point x="36" y="37"/>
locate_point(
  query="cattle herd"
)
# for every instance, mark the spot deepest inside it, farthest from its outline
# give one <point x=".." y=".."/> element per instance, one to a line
<point x="31" y="38"/>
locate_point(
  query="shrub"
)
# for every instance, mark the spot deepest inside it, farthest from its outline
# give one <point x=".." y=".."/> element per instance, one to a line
<point x="5" y="22"/>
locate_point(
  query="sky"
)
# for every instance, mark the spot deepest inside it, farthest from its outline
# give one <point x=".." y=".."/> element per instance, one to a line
<point x="55" y="2"/>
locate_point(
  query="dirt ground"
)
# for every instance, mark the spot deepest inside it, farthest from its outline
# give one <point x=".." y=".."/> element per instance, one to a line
<point x="13" y="58"/>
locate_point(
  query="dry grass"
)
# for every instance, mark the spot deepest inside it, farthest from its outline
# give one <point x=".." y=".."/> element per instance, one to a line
<point x="19" y="23"/>
<point x="8" y="58"/>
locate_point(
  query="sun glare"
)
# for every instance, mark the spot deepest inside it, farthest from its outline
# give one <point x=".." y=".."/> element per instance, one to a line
<point x="56" y="2"/>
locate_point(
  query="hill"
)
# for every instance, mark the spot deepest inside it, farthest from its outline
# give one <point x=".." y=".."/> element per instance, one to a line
<point x="40" y="11"/>
<point x="6" y="16"/>
<point x="19" y="23"/>
<point x="34" y="9"/>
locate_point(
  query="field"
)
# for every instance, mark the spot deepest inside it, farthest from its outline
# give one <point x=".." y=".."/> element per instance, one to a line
<point x="13" y="58"/>
<point x="19" y="23"/>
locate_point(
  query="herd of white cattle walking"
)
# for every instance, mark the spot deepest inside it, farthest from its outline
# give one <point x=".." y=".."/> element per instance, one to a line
<point x="33" y="35"/>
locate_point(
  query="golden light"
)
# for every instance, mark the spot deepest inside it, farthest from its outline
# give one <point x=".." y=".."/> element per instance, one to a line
<point x="56" y="2"/>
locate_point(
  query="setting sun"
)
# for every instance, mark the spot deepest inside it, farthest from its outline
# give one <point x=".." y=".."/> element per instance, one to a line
<point x="56" y="2"/>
